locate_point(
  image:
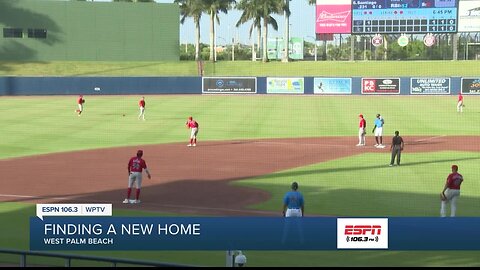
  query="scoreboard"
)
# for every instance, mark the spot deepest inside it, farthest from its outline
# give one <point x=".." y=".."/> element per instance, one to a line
<point x="404" y="16"/>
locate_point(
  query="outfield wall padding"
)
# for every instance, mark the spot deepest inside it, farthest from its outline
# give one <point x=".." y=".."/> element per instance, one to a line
<point x="25" y="86"/>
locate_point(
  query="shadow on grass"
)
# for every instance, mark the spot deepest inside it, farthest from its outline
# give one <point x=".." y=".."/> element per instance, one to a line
<point x="97" y="72"/>
<point x="294" y="174"/>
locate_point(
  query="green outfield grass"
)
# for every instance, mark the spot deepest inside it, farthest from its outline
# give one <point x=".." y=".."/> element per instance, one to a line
<point x="243" y="68"/>
<point x="364" y="185"/>
<point x="38" y="125"/>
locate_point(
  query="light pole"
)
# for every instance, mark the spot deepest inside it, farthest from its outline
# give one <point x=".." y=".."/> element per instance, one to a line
<point x="315" y="44"/>
<point x="224" y="42"/>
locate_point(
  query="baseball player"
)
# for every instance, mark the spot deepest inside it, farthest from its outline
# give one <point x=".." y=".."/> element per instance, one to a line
<point x="135" y="167"/>
<point x="293" y="204"/>
<point x="361" y="130"/>
<point x="378" y="131"/>
<point x="80" y="102"/>
<point x="451" y="192"/>
<point x="141" y="104"/>
<point x="193" y="125"/>
<point x="460" y="102"/>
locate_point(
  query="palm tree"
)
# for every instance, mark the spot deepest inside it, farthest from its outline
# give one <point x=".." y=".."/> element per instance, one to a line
<point x="286" y="11"/>
<point x="263" y="9"/>
<point x="213" y="8"/>
<point x="267" y="8"/>
<point x="194" y="9"/>
<point x="251" y="11"/>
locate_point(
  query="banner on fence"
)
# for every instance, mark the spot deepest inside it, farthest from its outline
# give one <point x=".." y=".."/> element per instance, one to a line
<point x="470" y="85"/>
<point x="380" y="86"/>
<point x="430" y="86"/>
<point x="229" y="85"/>
<point x="332" y="86"/>
<point x="285" y="85"/>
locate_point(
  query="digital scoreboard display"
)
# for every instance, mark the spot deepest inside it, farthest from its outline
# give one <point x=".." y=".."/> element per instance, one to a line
<point x="404" y="16"/>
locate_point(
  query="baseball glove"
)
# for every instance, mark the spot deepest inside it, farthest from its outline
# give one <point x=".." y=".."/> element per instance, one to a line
<point x="443" y="197"/>
<point x="83" y="100"/>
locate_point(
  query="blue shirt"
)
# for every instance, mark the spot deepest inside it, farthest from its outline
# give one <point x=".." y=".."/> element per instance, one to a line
<point x="379" y="122"/>
<point x="293" y="199"/>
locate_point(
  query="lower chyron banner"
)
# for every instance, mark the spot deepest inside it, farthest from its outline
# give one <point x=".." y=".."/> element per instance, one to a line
<point x="380" y="85"/>
<point x="252" y="233"/>
<point x="232" y="85"/>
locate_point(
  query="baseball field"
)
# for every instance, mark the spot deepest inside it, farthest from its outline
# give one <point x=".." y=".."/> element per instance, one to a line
<point x="250" y="148"/>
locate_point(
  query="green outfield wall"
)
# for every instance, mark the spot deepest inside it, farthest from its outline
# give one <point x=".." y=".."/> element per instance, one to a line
<point x="37" y="30"/>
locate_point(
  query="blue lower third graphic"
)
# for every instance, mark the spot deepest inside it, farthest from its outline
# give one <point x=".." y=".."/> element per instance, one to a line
<point x="245" y="233"/>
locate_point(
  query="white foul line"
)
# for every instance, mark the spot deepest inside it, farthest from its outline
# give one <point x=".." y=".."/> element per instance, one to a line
<point x="431" y="138"/>
<point x="295" y="143"/>
<point x="156" y="204"/>
<point x="33" y="197"/>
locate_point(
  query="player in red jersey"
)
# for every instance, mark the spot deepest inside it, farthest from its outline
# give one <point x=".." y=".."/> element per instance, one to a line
<point x="193" y="125"/>
<point x="80" y="102"/>
<point x="141" y="104"/>
<point x="460" y="102"/>
<point x="135" y="167"/>
<point x="362" y="126"/>
<point x="451" y="192"/>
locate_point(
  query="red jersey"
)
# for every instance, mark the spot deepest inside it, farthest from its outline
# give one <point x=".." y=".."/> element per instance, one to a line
<point x="80" y="100"/>
<point x="363" y="123"/>
<point x="454" y="180"/>
<point x="136" y="164"/>
<point x="141" y="103"/>
<point x="192" y="124"/>
<point x="460" y="97"/>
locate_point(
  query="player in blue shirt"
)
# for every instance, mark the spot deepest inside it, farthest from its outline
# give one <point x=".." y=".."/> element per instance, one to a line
<point x="378" y="130"/>
<point x="293" y="204"/>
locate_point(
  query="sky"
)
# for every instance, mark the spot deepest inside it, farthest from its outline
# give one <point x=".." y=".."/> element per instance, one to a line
<point x="302" y="24"/>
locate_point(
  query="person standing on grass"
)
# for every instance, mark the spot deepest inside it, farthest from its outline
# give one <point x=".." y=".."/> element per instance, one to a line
<point x="362" y="127"/>
<point x="378" y="131"/>
<point x="396" y="148"/>
<point x="451" y="192"/>
<point x="141" y="104"/>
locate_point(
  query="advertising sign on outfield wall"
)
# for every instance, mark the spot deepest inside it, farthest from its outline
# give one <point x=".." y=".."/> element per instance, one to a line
<point x="470" y="85"/>
<point x="229" y="85"/>
<point x="380" y="86"/>
<point x="427" y="86"/>
<point x="332" y="86"/>
<point x="285" y="85"/>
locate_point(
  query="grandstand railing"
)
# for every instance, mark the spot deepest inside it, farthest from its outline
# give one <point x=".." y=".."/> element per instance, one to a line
<point x="69" y="257"/>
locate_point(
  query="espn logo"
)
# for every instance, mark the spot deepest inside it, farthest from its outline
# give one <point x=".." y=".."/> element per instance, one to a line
<point x="363" y="229"/>
<point x="362" y="233"/>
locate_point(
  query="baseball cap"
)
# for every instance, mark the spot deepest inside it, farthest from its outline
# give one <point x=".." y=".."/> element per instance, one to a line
<point x="360" y="115"/>
<point x="455" y="167"/>
<point x="190" y="118"/>
<point x="139" y="152"/>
